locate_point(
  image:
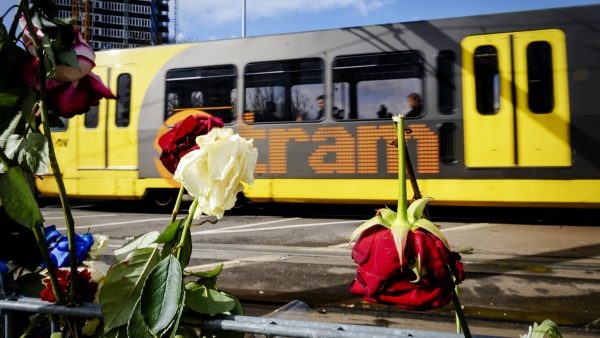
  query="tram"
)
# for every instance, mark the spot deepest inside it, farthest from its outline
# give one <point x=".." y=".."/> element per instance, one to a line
<point x="509" y="111"/>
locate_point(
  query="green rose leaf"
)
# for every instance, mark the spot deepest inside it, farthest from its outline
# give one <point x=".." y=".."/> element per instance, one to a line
<point x="172" y="331"/>
<point x="146" y="240"/>
<point x="238" y="309"/>
<point x="18" y="199"/>
<point x="161" y="294"/>
<point x="170" y="232"/>
<point x="32" y="153"/>
<point x="65" y="56"/>
<point x="136" y="326"/>
<point x="123" y="286"/>
<point x="209" y="274"/>
<point x="207" y="301"/>
<point x="186" y="249"/>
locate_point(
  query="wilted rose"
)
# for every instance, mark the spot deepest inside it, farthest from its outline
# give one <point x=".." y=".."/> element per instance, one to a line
<point x="217" y="171"/>
<point x="382" y="278"/>
<point x="181" y="139"/>
<point x="73" y="89"/>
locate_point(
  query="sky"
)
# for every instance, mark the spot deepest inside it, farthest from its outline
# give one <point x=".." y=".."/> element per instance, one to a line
<point x="201" y="20"/>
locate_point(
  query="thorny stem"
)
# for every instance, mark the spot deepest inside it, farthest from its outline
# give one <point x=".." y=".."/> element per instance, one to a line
<point x="177" y="204"/>
<point x="52" y="155"/>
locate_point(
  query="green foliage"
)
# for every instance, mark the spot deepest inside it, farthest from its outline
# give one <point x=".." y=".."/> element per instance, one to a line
<point x="169" y="234"/>
<point x="123" y="285"/>
<point x="186" y="249"/>
<point x="146" y="240"/>
<point x="17" y="198"/>
<point x="207" y="301"/>
<point x="162" y="294"/>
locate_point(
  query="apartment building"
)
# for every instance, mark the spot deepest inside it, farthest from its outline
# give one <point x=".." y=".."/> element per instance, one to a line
<point x="119" y="24"/>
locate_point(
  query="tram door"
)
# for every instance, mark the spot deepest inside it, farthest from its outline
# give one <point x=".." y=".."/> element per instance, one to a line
<point x="515" y="100"/>
<point x="106" y="134"/>
<point x="91" y="134"/>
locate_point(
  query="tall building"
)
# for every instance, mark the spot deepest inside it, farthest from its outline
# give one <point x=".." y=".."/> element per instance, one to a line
<point x="107" y="24"/>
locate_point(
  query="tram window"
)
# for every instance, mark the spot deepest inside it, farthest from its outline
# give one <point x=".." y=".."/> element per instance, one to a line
<point x="448" y="144"/>
<point x="205" y="89"/>
<point x="540" y="77"/>
<point x="283" y="91"/>
<point x="375" y="86"/>
<point x="123" y="100"/>
<point x="59" y="124"/>
<point x="446" y="85"/>
<point x="487" y="80"/>
<point x="91" y="118"/>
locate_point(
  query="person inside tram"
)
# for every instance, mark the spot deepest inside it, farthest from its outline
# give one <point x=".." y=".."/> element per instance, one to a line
<point x="415" y="104"/>
<point x="383" y="112"/>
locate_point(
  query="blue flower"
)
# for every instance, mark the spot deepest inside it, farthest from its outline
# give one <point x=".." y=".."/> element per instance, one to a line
<point x="58" y="245"/>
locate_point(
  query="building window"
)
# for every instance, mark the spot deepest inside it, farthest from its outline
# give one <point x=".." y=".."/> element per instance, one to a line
<point x="283" y="91"/>
<point x="123" y="100"/>
<point x="375" y="86"/>
<point x="487" y="80"/>
<point x="210" y="90"/>
<point x="445" y="79"/>
<point x="540" y="77"/>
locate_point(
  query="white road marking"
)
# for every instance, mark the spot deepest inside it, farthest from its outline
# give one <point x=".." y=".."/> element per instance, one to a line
<point x="117" y="223"/>
<point x="281" y="227"/>
<point x="468" y="227"/>
<point x="82" y="216"/>
<point x="242" y="226"/>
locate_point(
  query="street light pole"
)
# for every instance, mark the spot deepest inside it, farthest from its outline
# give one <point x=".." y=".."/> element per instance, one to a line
<point x="243" y="18"/>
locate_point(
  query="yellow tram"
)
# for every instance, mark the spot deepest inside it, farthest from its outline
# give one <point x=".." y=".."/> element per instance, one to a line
<point x="509" y="111"/>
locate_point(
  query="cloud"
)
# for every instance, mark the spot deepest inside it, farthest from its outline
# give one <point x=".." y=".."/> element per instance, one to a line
<point x="210" y="12"/>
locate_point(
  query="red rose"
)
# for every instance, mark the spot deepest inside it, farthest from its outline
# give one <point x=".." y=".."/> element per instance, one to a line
<point x="381" y="278"/>
<point x="181" y="139"/>
<point x="86" y="287"/>
<point x="72" y="98"/>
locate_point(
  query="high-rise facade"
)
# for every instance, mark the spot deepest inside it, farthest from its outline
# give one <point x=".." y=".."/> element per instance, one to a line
<point x="119" y="24"/>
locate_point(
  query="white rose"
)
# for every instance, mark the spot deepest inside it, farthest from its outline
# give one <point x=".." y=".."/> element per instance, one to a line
<point x="100" y="244"/>
<point x="216" y="172"/>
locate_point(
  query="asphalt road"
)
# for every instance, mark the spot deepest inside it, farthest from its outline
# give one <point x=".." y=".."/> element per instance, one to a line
<point x="518" y="270"/>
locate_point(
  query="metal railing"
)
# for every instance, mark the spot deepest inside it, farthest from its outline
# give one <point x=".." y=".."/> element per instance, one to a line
<point x="257" y="325"/>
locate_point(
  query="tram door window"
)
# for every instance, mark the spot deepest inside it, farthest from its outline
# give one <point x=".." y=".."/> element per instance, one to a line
<point x="123" y="100"/>
<point x="515" y="100"/>
<point x="210" y="90"/>
<point x="446" y="84"/>
<point x="375" y="86"/>
<point x="283" y="91"/>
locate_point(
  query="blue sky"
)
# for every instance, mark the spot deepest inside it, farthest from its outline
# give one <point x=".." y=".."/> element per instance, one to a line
<point x="200" y="20"/>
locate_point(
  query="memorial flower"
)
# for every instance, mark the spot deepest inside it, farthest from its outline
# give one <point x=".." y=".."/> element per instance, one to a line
<point x="74" y="88"/>
<point x="58" y="245"/>
<point x="181" y="139"/>
<point x="86" y="288"/>
<point x="216" y="172"/>
<point x="404" y="259"/>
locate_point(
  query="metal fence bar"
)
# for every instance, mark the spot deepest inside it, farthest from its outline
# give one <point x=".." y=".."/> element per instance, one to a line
<point x="258" y="325"/>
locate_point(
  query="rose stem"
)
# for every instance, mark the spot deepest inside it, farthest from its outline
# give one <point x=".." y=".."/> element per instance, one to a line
<point x="177" y="204"/>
